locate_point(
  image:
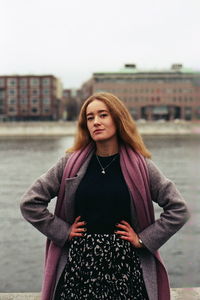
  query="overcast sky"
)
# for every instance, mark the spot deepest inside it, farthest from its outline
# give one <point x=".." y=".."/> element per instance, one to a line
<point x="72" y="39"/>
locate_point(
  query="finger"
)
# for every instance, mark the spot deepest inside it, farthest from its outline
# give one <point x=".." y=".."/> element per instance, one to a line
<point x="125" y="238"/>
<point x="122" y="233"/>
<point x="78" y="224"/>
<point x="80" y="229"/>
<point x="126" y="223"/>
<point x="122" y="226"/>
<point x="77" y="234"/>
<point x="77" y="219"/>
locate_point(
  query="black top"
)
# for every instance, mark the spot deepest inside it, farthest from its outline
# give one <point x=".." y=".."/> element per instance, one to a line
<point x="102" y="200"/>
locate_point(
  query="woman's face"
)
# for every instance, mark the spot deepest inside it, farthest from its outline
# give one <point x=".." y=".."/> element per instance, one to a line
<point x="100" y="122"/>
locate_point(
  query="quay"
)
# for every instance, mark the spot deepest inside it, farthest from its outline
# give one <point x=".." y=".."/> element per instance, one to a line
<point x="64" y="128"/>
<point x="176" y="294"/>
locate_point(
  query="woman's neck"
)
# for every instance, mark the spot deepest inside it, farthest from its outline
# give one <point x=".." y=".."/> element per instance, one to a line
<point x="106" y="149"/>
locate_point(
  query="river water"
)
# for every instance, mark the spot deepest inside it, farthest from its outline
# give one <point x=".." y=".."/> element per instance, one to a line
<point x="22" y="246"/>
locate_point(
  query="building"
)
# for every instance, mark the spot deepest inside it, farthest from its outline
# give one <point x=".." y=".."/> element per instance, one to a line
<point x="30" y="97"/>
<point x="151" y="94"/>
<point x="72" y="103"/>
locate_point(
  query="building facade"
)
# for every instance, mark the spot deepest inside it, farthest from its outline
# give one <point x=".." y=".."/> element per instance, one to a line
<point x="152" y="95"/>
<point x="30" y="97"/>
<point x="72" y="103"/>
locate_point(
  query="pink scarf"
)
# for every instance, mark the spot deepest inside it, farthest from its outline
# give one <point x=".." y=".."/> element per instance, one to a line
<point x="135" y="172"/>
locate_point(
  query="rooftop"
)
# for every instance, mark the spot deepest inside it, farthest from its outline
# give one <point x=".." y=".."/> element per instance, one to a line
<point x="132" y="69"/>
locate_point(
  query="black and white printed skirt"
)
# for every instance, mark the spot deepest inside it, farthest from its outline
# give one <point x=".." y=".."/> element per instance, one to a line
<point x="101" y="266"/>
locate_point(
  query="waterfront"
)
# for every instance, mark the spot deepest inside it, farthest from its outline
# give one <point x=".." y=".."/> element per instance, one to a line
<point x="68" y="128"/>
<point x="22" y="247"/>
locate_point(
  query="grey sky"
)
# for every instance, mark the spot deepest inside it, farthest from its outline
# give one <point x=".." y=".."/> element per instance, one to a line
<point x="72" y="39"/>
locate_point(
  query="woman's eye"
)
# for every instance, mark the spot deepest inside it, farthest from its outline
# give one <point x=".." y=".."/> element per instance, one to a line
<point x="89" y="118"/>
<point x="103" y="115"/>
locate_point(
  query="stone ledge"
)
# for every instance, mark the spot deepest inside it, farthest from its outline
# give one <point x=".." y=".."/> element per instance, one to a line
<point x="185" y="294"/>
<point x="19" y="296"/>
<point x="176" y="294"/>
<point x="41" y="129"/>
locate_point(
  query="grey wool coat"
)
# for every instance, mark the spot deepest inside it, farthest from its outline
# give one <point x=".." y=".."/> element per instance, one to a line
<point x="34" y="208"/>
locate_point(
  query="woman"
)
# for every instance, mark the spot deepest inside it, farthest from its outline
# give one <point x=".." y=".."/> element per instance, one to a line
<point x="103" y="239"/>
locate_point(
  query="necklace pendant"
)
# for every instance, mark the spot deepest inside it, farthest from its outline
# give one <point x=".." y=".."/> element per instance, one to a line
<point x="103" y="172"/>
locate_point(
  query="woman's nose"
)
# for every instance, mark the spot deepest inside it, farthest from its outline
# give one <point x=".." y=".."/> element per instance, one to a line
<point x="96" y="120"/>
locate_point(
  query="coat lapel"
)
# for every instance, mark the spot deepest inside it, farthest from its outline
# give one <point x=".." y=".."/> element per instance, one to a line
<point x="71" y="185"/>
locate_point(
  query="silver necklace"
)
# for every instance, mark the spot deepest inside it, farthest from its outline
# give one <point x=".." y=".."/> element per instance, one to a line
<point x="104" y="168"/>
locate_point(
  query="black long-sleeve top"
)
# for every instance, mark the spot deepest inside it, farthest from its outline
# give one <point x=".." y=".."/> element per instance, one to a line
<point x="102" y="200"/>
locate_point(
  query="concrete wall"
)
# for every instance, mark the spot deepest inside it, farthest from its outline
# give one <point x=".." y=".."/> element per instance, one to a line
<point x="176" y="294"/>
<point x="28" y="129"/>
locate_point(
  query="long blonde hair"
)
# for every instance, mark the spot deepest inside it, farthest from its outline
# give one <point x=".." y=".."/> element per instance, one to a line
<point x="126" y="127"/>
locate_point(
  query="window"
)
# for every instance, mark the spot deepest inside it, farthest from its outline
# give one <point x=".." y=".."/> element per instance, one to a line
<point x="46" y="101"/>
<point x="23" y="92"/>
<point x="46" y="110"/>
<point x="35" y="100"/>
<point x="46" y="81"/>
<point x="2" y="82"/>
<point x="2" y="94"/>
<point x="23" y="101"/>
<point x="23" y="82"/>
<point x="34" y="110"/>
<point x="34" y="81"/>
<point x="11" y="81"/>
<point x="12" y="101"/>
<point x="198" y="113"/>
<point x="35" y="92"/>
<point x="188" y="113"/>
<point x="12" y="92"/>
<point x="12" y="109"/>
<point x="46" y="92"/>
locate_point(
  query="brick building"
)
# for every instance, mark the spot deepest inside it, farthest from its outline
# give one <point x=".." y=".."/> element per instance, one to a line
<point x="152" y="95"/>
<point x="30" y="97"/>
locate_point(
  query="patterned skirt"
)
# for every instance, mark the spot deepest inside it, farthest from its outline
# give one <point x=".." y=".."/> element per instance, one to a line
<point x="101" y="266"/>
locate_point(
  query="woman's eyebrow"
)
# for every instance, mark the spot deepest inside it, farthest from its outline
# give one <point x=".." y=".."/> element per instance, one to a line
<point x="99" y="111"/>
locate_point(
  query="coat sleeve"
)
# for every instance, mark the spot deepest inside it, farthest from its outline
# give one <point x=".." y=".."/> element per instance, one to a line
<point x="35" y="201"/>
<point x="175" y="212"/>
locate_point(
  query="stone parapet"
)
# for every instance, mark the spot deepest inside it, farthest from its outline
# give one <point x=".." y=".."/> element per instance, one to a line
<point x="31" y="129"/>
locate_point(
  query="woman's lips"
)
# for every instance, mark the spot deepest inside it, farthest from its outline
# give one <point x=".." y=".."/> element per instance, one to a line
<point x="98" y="131"/>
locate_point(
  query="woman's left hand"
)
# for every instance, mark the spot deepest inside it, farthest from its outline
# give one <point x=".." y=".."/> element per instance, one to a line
<point x="128" y="233"/>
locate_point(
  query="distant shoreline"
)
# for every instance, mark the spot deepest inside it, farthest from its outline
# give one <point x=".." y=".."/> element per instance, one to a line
<point x="54" y="129"/>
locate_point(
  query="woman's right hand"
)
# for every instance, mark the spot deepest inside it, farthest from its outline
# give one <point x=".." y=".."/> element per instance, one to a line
<point x="76" y="229"/>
